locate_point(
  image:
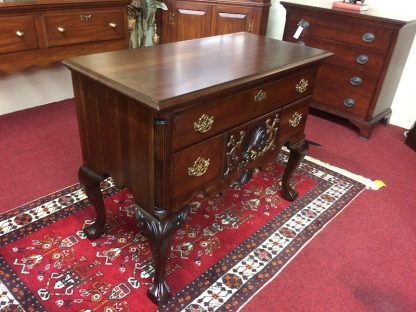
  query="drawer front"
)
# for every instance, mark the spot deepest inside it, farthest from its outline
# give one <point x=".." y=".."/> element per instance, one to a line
<point x="355" y="105"/>
<point x="348" y="80"/>
<point x="336" y="29"/>
<point x="197" y="165"/>
<point x="17" y="34"/>
<point x="88" y="26"/>
<point x="354" y="58"/>
<point x="293" y="121"/>
<point x="209" y="119"/>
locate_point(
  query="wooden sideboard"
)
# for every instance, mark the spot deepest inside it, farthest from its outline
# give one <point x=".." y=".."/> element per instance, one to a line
<point x="41" y="32"/>
<point x="182" y="117"/>
<point x="194" y="19"/>
<point x="357" y="83"/>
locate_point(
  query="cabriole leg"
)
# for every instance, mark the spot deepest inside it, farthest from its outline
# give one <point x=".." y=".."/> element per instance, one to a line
<point x="91" y="183"/>
<point x="160" y="233"/>
<point x="297" y="153"/>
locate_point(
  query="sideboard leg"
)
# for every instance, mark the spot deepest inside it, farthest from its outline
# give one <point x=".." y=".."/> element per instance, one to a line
<point x="160" y="234"/>
<point x="91" y="183"/>
<point x="297" y="153"/>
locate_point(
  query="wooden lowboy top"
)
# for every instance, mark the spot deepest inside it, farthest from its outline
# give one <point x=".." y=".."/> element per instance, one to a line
<point x="175" y="73"/>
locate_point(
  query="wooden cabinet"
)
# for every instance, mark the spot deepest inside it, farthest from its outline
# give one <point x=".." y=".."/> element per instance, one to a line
<point x="38" y="33"/>
<point x="197" y="19"/>
<point x="357" y="83"/>
<point x="191" y="124"/>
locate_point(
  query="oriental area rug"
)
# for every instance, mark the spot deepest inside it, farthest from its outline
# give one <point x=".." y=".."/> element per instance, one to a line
<point x="229" y="247"/>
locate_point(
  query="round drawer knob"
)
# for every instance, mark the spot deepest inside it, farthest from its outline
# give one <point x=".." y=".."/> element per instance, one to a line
<point x="113" y="25"/>
<point x="199" y="167"/>
<point x="349" y="102"/>
<point x="356" y="81"/>
<point x="20" y="33"/>
<point x="369" y="37"/>
<point x="304" y="23"/>
<point x="61" y="30"/>
<point x="362" y="59"/>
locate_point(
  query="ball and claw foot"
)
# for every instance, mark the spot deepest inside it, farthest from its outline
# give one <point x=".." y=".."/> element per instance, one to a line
<point x="290" y="194"/>
<point x="159" y="292"/>
<point x="93" y="231"/>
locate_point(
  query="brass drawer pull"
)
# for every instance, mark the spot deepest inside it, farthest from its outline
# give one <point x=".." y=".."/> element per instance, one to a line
<point x="113" y="25"/>
<point x="369" y="37"/>
<point x="294" y="121"/>
<point x="61" y="29"/>
<point x="349" y="102"/>
<point x="356" y="81"/>
<point x="204" y="123"/>
<point x="302" y="85"/>
<point x="20" y="33"/>
<point x="199" y="167"/>
<point x="260" y="96"/>
<point x="362" y="59"/>
<point x="85" y="17"/>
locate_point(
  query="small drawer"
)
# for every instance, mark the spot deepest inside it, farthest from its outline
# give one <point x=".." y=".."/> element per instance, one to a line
<point x="353" y="57"/>
<point x="197" y="165"/>
<point x="349" y="80"/>
<point x="347" y="31"/>
<point x="205" y="120"/>
<point x="17" y="34"/>
<point x="88" y="26"/>
<point x="293" y="120"/>
<point x="355" y="105"/>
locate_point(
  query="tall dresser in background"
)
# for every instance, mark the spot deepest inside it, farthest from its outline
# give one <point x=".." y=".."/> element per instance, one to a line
<point x="371" y="47"/>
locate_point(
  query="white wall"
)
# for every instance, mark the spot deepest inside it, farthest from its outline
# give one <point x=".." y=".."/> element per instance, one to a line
<point x="34" y="87"/>
<point x="404" y="102"/>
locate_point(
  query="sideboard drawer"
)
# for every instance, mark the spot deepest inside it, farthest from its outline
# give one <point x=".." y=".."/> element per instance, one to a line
<point x="203" y="121"/>
<point x="86" y="26"/>
<point x="17" y="34"/>
<point x="366" y="35"/>
<point x="197" y="165"/>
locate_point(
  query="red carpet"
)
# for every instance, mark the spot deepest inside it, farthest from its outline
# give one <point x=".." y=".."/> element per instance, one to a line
<point x="228" y="248"/>
<point x="361" y="262"/>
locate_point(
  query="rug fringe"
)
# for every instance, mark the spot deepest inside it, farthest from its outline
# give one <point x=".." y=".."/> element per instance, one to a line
<point x="369" y="184"/>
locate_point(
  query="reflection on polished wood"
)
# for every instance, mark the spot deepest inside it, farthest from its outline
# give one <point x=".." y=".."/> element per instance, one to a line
<point x="137" y="111"/>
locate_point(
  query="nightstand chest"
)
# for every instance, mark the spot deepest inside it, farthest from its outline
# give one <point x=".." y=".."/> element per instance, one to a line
<point x="357" y="83"/>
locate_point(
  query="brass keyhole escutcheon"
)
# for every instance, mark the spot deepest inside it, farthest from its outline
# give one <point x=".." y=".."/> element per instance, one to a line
<point x="199" y="167"/>
<point x="294" y="121"/>
<point x="204" y="123"/>
<point x="302" y="85"/>
<point x="260" y="96"/>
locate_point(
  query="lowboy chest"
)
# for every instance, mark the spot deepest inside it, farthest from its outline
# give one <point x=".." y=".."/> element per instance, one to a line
<point x="182" y="117"/>
<point x="370" y="49"/>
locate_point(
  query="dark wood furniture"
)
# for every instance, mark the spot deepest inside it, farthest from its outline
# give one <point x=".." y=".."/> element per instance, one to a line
<point x="194" y="19"/>
<point x="41" y="32"/>
<point x="357" y="83"/>
<point x="411" y="138"/>
<point x="194" y="115"/>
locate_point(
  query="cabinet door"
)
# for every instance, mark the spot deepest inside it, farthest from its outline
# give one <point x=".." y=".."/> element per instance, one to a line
<point x="229" y="19"/>
<point x="190" y="21"/>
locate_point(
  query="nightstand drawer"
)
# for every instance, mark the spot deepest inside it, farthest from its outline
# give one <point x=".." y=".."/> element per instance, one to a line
<point x="79" y="27"/>
<point x="356" y="105"/>
<point x="349" y="80"/>
<point x="366" y="35"/>
<point x="17" y="34"/>
<point x="205" y="120"/>
<point x="197" y="165"/>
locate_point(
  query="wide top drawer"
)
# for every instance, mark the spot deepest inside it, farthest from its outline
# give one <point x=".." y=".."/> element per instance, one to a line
<point x="87" y="26"/>
<point x="203" y="121"/>
<point x="17" y="34"/>
<point x="340" y="30"/>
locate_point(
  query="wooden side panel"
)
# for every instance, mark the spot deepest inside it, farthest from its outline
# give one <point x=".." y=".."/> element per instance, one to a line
<point x="116" y="136"/>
